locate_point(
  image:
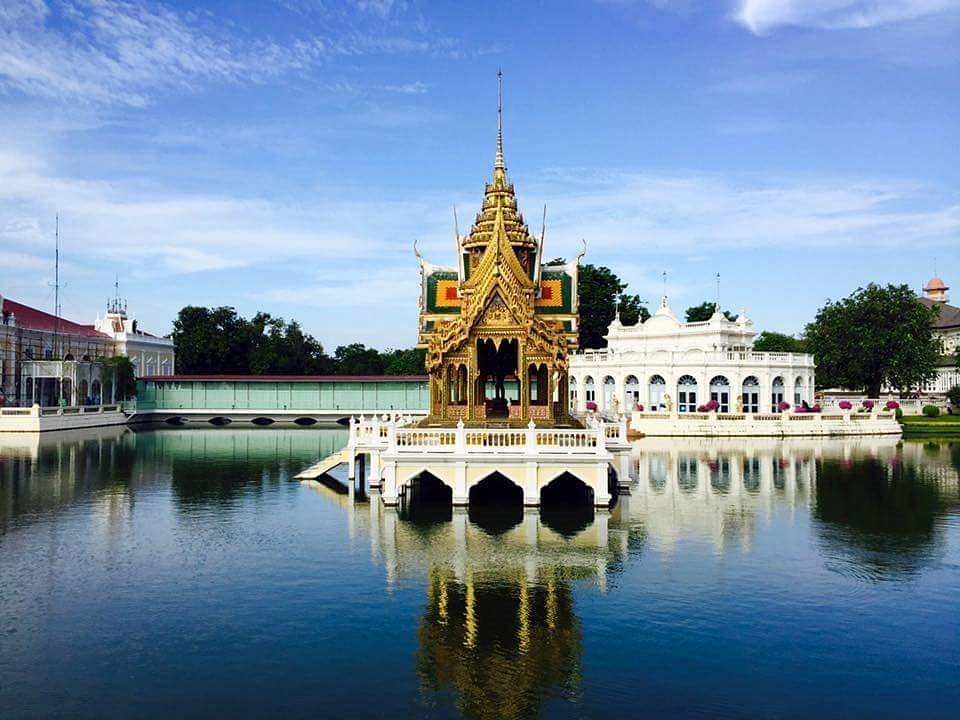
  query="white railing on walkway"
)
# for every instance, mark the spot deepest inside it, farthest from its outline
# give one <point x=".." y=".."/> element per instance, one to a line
<point x="37" y="411"/>
<point x="740" y="357"/>
<point x="397" y="435"/>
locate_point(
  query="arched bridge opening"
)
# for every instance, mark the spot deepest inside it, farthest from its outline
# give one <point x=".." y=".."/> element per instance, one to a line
<point x="496" y="504"/>
<point x="566" y="504"/>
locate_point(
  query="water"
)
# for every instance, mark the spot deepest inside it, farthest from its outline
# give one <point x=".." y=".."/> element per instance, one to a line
<point x="184" y="574"/>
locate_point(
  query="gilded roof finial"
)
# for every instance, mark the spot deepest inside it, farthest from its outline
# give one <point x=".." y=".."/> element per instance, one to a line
<point x="498" y="164"/>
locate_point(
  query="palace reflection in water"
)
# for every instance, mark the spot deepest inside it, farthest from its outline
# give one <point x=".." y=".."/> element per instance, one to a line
<point x="500" y="632"/>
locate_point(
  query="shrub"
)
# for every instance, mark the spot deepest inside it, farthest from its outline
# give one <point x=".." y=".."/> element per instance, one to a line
<point x="845" y="405"/>
<point x="868" y="404"/>
<point x="892" y="405"/>
<point x="931" y="411"/>
<point x="899" y="413"/>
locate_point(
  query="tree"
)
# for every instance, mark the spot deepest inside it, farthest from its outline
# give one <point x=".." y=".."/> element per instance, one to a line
<point x="769" y="341"/>
<point x="878" y="336"/>
<point x="119" y="376"/>
<point x="598" y="289"/>
<point x="704" y="311"/>
<point x="211" y="340"/>
<point x="357" y="359"/>
<point x="217" y="340"/>
<point x="404" y="362"/>
<point x="953" y="395"/>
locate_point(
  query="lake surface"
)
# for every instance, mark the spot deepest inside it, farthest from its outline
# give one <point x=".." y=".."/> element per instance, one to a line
<point x="183" y="573"/>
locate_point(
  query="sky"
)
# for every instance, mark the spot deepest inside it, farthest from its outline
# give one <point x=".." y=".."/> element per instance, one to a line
<point x="284" y="155"/>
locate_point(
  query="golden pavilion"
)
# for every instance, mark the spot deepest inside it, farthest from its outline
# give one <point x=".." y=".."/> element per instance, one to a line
<point x="499" y="326"/>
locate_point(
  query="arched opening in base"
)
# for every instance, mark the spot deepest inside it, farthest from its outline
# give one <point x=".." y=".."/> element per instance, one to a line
<point x="566" y="505"/>
<point x="428" y="499"/>
<point x="496" y="504"/>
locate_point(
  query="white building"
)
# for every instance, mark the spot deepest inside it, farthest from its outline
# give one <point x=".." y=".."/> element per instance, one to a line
<point x="664" y="363"/>
<point x="947" y="328"/>
<point x="150" y="354"/>
<point x="45" y="358"/>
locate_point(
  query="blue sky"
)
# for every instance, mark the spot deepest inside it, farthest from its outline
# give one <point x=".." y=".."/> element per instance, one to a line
<point x="285" y="155"/>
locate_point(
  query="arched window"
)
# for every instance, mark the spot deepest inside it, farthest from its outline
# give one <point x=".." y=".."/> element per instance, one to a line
<point x="776" y="395"/>
<point x="589" y="390"/>
<point x="798" y="391"/>
<point x="573" y="391"/>
<point x="751" y="395"/>
<point x="720" y="391"/>
<point x="609" y="385"/>
<point x="687" y="394"/>
<point x="657" y="388"/>
<point x="631" y="392"/>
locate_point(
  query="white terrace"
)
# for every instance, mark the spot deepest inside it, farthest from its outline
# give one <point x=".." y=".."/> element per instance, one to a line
<point x="398" y="453"/>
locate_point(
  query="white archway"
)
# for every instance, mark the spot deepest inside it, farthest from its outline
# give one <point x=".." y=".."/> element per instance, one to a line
<point x="751" y="394"/>
<point x="776" y="394"/>
<point x="609" y="389"/>
<point x="589" y="390"/>
<point x="631" y="392"/>
<point x="720" y="392"/>
<point x="687" y="394"/>
<point x="657" y="387"/>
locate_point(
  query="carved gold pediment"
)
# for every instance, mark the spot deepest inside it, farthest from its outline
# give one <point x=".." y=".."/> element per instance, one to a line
<point x="496" y="314"/>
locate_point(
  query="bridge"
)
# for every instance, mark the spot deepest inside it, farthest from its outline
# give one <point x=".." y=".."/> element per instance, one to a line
<point x="400" y="457"/>
<point x="264" y="400"/>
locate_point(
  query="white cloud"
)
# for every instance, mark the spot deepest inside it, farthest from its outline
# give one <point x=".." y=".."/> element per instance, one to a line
<point x="121" y="52"/>
<point x="125" y="52"/>
<point x="692" y="212"/>
<point x="412" y="88"/>
<point x="761" y="16"/>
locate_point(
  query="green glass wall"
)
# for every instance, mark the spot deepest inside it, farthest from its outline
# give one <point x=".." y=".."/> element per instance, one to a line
<point x="310" y="395"/>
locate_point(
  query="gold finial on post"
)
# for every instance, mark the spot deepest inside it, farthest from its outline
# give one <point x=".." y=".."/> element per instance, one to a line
<point x="498" y="163"/>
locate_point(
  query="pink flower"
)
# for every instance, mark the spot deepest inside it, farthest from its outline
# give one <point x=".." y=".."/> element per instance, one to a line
<point x="845" y="405"/>
<point x="783" y="405"/>
<point x="892" y="405"/>
<point x="868" y="404"/>
<point x="591" y="405"/>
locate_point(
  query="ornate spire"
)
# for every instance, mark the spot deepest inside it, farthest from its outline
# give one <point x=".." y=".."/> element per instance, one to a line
<point x="498" y="161"/>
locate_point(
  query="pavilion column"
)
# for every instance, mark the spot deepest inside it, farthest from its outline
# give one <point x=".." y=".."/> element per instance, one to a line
<point x="444" y="389"/>
<point x="471" y="383"/>
<point x="523" y="380"/>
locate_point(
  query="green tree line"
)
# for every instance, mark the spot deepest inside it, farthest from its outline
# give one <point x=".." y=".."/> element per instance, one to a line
<point x="220" y="341"/>
<point x="879" y="336"/>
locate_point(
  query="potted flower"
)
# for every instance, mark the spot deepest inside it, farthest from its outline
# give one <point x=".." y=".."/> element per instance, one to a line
<point x="845" y="405"/>
<point x="892" y="405"/>
<point x="868" y="405"/>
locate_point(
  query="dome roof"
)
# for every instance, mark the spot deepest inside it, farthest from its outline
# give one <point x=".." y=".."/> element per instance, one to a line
<point x="936" y="283"/>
